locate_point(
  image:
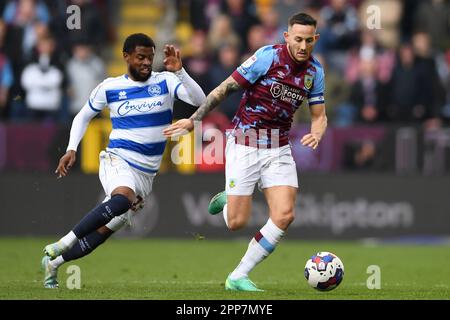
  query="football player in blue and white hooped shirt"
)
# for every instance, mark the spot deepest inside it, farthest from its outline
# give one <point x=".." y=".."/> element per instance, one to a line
<point x="140" y="104"/>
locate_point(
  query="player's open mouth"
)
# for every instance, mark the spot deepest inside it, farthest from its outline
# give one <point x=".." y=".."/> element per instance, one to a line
<point x="145" y="70"/>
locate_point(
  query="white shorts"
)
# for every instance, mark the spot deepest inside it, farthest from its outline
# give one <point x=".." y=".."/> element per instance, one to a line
<point x="115" y="172"/>
<point x="245" y="166"/>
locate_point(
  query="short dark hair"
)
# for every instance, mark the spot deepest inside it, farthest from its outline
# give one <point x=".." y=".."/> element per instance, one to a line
<point x="302" y="18"/>
<point x="135" y="40"/>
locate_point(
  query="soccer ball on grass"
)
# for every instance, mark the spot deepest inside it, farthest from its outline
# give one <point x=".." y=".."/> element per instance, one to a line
<point x="324" y="271"/>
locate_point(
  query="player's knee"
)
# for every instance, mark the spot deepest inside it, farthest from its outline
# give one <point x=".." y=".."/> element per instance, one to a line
<point x="236" y="223"/>
<point x="118" y="204"/>
<point x="284" y="218"/>
<point x="126" y="192"/>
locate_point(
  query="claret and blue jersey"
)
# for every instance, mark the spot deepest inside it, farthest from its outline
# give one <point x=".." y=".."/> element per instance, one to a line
<point x="139" y="112"/>
<point x="275" y="86"/>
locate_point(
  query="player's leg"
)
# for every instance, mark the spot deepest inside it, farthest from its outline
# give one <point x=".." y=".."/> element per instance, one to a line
<point x="86" y="245"/>
<point x="242" y="172"/>
<point x="119" y="203"/>
<point x="90" y="242"/>
<point x="241" y="175"/>
<point x="83" y="247"/>
<point x="279" y="184"/>
<point x="281" y="201"/>
<point x="118" y="181"/>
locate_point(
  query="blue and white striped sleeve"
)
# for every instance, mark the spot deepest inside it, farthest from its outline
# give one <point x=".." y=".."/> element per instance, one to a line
<point x="317" y="93"/>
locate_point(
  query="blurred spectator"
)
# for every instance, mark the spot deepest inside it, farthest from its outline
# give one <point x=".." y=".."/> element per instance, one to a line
<point x="405" y="85"/>
<point x="370" y="48"/>
<point x="222" y="33"/>
<point x="228" y="62"/>
<point x="58" y="26"/>
<point x="85" y="71"/>
<point x="198" y="61"/>
<point x="339" y="111"/>
<point x="6" y="74"/>
<point x="415" y="86"/>
<point x="242" y="14"/>
<point x="432" y="17"/>
<point x="446" y="81"/>
<point x="337" y="93"/>
<point x="256" y="39"/>
<point x="271" y="25"/>
<point x="391" y="11"/>
<point x="92" y="29"/>
<point x="368" y="95"/>
<point x="27" y="15"/>
<point x="340" y="27"/>
<point x="431" y="95"/>
<point x="286" y="9"/>
<point x="407" y="19"/>
<point x="42" y="81"/>
<point x="202" y="12"/>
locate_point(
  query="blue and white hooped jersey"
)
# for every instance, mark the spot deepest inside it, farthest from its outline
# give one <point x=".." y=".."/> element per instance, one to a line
<point x="139" y="112"/>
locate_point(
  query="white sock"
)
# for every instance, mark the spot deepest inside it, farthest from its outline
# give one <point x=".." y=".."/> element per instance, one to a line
<point x="225" y="213"/>
<point x="69" y="239"/>
<point x="57" y="262"/>
<point x="259" y="248"/>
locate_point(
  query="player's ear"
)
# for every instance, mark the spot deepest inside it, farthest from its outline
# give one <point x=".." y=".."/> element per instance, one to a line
<point x="126" y="56"/>
<point x="286" y="36"/>
<point x="316" y="37"/>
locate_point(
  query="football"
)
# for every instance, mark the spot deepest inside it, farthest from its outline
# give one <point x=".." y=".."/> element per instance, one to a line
<point x="324" y="271"/>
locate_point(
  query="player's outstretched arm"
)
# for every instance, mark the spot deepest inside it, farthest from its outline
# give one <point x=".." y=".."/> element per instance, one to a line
<point x="318" y="126"/>
<point x="79" y="125"/>
<point x="190" y="92"/>
<point x="216" y="96"/>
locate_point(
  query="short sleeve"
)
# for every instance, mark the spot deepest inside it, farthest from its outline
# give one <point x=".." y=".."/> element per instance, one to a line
<point x="316" y="96"/>
<point x="254" y="67"/>
<point x="97" y="99"/>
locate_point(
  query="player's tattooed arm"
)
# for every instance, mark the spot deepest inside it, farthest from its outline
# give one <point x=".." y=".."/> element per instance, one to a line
<point x="183" y="126"/>
<point x="215" y="97"/>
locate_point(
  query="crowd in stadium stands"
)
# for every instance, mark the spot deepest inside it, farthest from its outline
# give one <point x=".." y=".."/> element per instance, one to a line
<point x="399" y="73"/>
<point x="46" y="70"/>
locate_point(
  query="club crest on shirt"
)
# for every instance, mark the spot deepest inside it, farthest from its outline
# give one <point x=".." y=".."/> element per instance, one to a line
<point x="154" y="90"/>
<point x="232" y="183"/>
<point x="308" y="81"/>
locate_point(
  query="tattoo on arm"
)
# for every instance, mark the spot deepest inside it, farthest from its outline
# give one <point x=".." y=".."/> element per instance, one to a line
<point x="215" y="97"/>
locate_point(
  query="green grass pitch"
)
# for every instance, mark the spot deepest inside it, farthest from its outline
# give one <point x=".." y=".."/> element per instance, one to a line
<point x="196" y="269"/>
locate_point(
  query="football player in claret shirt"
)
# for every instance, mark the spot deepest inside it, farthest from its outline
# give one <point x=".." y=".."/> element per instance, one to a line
<point x="276" y="80"/>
